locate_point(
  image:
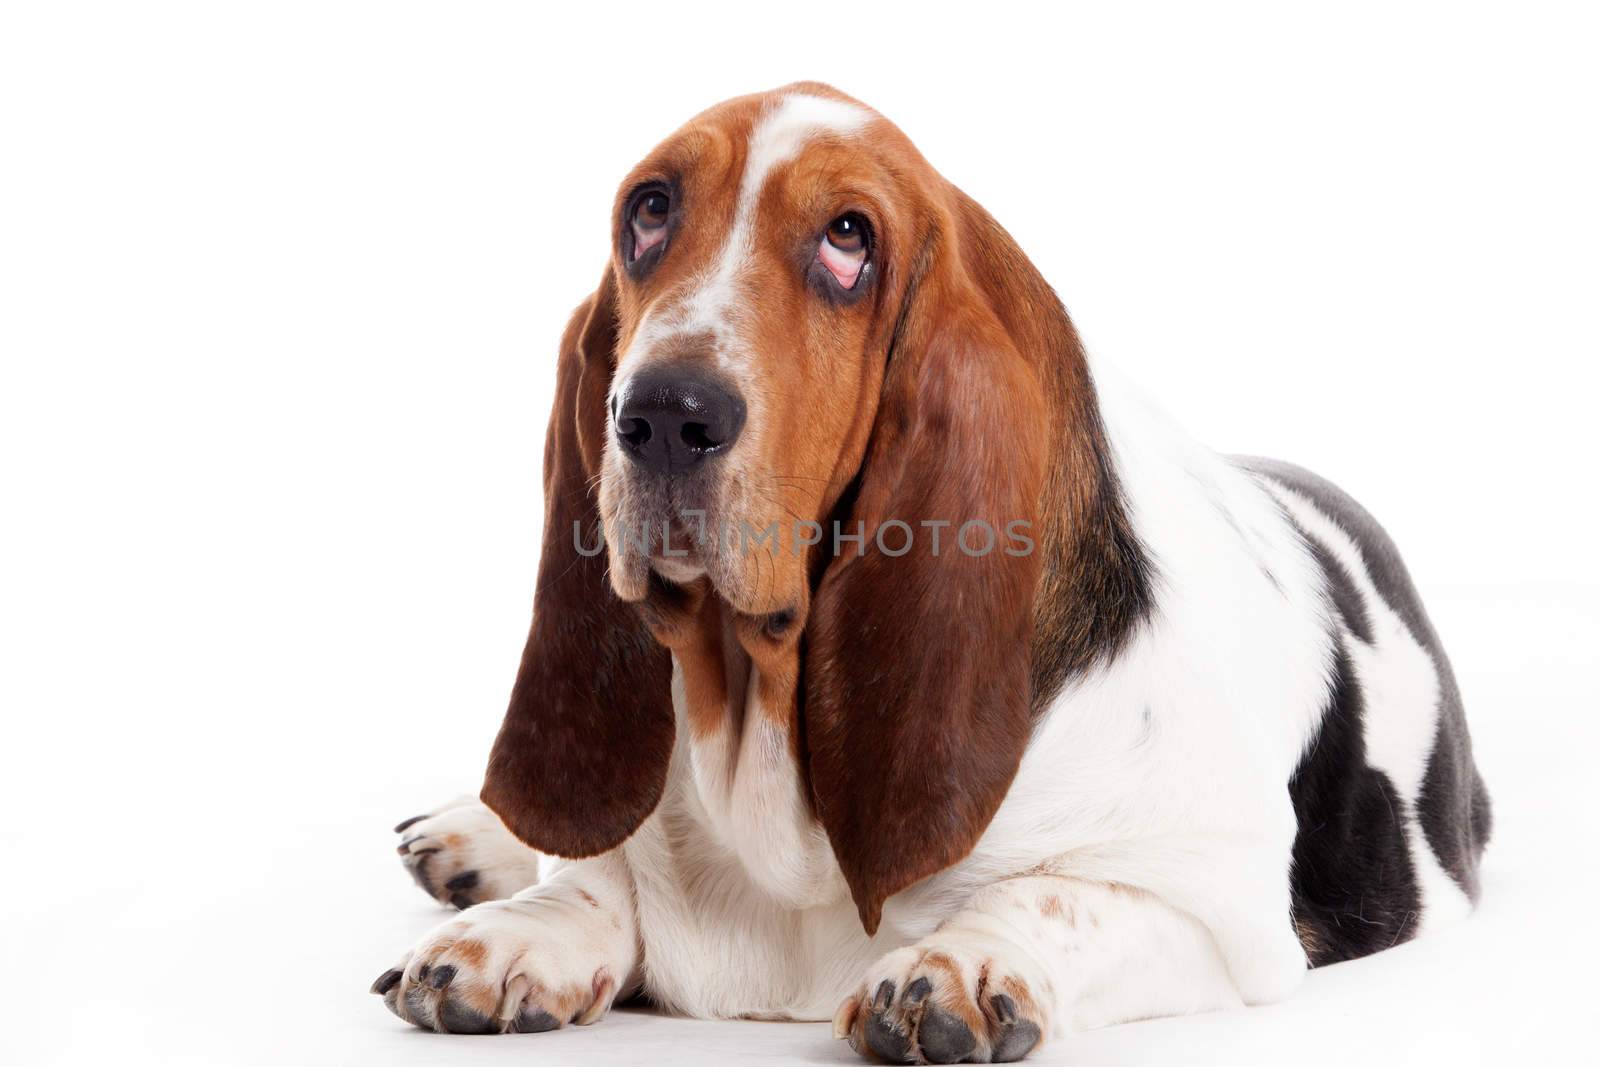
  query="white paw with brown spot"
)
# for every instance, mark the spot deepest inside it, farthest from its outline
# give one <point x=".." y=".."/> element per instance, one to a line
<point x="508" y="966"/>
<point x="946" y="1001"/>
<point x="461" y="855"/>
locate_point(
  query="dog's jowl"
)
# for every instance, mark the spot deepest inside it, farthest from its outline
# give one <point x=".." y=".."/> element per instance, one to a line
<point x="890" y="668"/>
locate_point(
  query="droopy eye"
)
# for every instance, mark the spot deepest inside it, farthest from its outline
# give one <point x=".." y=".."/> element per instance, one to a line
<point x="843" y="249"/>
<point x="649" y="221"/>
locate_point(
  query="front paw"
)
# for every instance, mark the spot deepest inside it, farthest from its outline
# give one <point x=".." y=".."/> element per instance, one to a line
<point x="502" y="967"/>
<point x="462" y="855"/>
<point x="945" y="1002"/>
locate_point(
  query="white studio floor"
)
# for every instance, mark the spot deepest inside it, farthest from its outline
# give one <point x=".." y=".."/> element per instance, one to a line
<point x="240" y="922"/>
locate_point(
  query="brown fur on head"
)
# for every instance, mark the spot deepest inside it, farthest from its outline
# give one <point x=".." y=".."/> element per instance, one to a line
<point x="735" y="288"/>
<point x="943" y="384"/>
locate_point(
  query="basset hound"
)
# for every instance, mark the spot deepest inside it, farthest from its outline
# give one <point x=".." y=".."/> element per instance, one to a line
<point x="883" y="669"/>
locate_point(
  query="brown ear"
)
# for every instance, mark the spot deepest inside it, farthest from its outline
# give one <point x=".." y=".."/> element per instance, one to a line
<point x="917" y="665"/>
<point x="582" y="756"/>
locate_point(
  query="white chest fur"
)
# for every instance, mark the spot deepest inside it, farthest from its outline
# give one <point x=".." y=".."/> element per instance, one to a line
<point x="742" y="787"/>
<point x="742" y="909"/>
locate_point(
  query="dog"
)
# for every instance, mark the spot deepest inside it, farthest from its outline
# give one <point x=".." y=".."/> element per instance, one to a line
<point x="885" y="669"/>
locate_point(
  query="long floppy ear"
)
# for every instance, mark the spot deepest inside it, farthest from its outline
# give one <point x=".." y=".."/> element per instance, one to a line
<point x="582" y="755"/>
<point x="917" y="665"/>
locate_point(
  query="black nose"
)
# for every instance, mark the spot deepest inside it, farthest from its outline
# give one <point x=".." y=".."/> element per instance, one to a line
<point x="670" y="418"/>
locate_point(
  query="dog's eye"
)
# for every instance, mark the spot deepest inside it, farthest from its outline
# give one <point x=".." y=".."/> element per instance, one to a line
<point x="844" y="248"/>
<point x="649" y="221"/>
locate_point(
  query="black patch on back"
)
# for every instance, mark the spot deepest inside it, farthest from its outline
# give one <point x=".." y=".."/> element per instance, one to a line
<point x="1453" y="806"/>
<point x="1354" y="889"/>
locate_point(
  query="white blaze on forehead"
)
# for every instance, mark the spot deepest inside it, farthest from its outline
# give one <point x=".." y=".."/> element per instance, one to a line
<point x="783" y="130"/>
<point x="777" y="138"/>
<point x="711" y="303"/>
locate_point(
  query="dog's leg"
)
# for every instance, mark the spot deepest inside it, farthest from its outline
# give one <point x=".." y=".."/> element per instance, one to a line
<point x="557" y="953"/>
<point x="461" y="854"/>
<point x="1028" y="958"/>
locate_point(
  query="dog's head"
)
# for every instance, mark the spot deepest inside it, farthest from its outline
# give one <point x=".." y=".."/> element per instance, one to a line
<point x="764" y="258"/>
<point x="820" y="385"/>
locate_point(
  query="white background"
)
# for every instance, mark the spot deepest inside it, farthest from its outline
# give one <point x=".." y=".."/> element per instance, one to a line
<point x="279" y="292"/>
